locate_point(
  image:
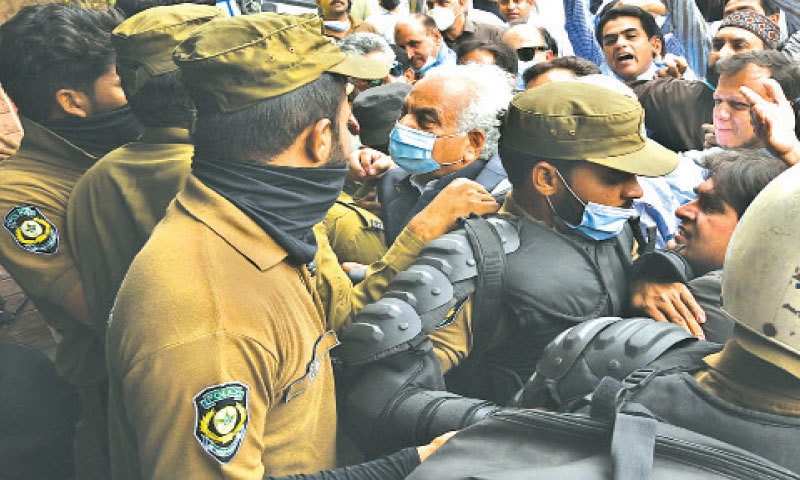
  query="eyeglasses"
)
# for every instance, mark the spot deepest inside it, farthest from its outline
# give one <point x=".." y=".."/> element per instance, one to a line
<point x="397" y="69"/>
<point x="526" y="54"/>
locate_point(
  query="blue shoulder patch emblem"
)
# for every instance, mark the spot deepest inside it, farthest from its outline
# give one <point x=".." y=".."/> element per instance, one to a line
<point x="222" y="415"/>
<point x="31" y="229"/>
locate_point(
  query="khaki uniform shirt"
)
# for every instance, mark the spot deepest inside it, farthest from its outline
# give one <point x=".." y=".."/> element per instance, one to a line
<point x="355" y="234"/>
<point x="741" y="378"/>
<point x="35" y="185"/>
<point x="218" y="348"/>
<point x="453" y="343"/>
<point x="218" y="353"/>
<point x="115" y="206"/>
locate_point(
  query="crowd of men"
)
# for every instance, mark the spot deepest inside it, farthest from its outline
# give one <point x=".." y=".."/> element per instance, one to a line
<point x="320" y="245"/>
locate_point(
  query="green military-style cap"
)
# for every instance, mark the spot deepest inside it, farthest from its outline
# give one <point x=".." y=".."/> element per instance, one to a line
<point x="577" y="121"/>
<point x="233" y="63"/>
<point x="144" y="42"/>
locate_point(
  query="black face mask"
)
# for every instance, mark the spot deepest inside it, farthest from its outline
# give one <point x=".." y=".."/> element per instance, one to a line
<point x="98" y="134"/>
<point x="284" y="201"/>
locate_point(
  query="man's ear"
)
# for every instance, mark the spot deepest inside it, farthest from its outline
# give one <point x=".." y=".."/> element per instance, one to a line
<point x="437" y="37"/>
<point x="72" y="103"/>
<point x="543" y="178"/>
<point x="477" y="139"/>
<point x="319" y="143"/>
<point x="549" y="55"/>
<point x="658" y="47"/>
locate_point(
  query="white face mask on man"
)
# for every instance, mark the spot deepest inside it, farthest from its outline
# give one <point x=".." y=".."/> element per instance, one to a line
<point x="444" y="17"/>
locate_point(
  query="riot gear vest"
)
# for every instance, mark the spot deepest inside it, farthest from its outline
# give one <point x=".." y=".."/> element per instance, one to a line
<point x="678" y="399"/>
<point x="553" y="281"/>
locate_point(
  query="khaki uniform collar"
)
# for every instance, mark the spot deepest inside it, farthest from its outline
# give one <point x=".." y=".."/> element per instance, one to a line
<point x="510" y="207"/>
<point x="47" y="146"/>
<point x="230" y="223"/>
<point x="744" y="379"/>
<point x="165" y="135"/>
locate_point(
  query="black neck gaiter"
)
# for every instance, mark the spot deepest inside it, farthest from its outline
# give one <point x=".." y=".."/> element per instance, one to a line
<point x="98" y="134"/>
<point x="284" y="201"/>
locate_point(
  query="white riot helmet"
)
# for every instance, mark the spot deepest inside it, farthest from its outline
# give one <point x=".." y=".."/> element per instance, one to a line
<point x="761" y="280"/>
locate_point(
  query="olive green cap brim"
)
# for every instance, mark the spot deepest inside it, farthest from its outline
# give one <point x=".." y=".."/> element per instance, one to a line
<point x="576" y="121"/>
<point x="232" y="63"/>
<point x="145" y="41"/>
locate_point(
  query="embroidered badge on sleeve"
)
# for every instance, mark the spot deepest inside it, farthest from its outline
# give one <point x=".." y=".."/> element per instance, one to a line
<point x="222" y="416"/>
<point x="31" y="229"/>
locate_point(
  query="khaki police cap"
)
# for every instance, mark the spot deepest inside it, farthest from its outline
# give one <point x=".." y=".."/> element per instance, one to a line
<point x="233" y="63"/>
<point x="144" y="42"/>
<point x="576" y="121"/>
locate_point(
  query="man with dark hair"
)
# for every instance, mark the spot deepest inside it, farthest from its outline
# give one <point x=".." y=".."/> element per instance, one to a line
<point x="677" y="109"/>
<point x="248" y="335"/>
<point x="58" y="66"/>
<point x="338" y="21"/>
<point x="499" y="54"/>
<point x="558" y="69"/>
<point x="731" y="113"/>
<point x="745" y="80"/>
<point x="734" y="179"/>
<point x="117" y="202"/>
<point x="745" y="393"/>
<point x="423" y="43"/>
<point x="482" y="305"/>
<point x="515" y="11"/>
<point x="112" y="209"/>
<point x="631" y="40"/>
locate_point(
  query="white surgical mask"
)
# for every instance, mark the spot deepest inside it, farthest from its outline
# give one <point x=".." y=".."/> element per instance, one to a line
<point x="444" y="17"/>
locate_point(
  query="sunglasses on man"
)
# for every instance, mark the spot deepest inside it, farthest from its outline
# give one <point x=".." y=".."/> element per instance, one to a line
<point x="526" y="54"/>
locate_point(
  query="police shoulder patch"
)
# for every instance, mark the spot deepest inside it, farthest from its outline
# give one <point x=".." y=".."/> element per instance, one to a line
<point x="31" y="229"/>
<point x="222" y="415"/>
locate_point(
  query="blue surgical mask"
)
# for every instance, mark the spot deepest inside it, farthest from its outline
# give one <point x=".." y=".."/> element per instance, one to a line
<point x="599" y="222"/>
<point x="412" y="149"/>
<point x="337" y="25"/>
<point x="521" y="67"/>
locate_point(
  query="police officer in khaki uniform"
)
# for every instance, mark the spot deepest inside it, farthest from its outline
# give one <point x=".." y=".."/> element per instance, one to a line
<point x="115" y="205"/>
<point x="486" y="304"/>
<point x="218" y="342"/>
<point x="57" y="65"/>
<point x="746" y="394"/>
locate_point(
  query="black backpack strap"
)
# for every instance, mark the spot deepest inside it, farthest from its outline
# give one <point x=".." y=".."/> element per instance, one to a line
<point x="634" y="436"/>
<point x="490" y="258"/>
<point x="645" y="243"/>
